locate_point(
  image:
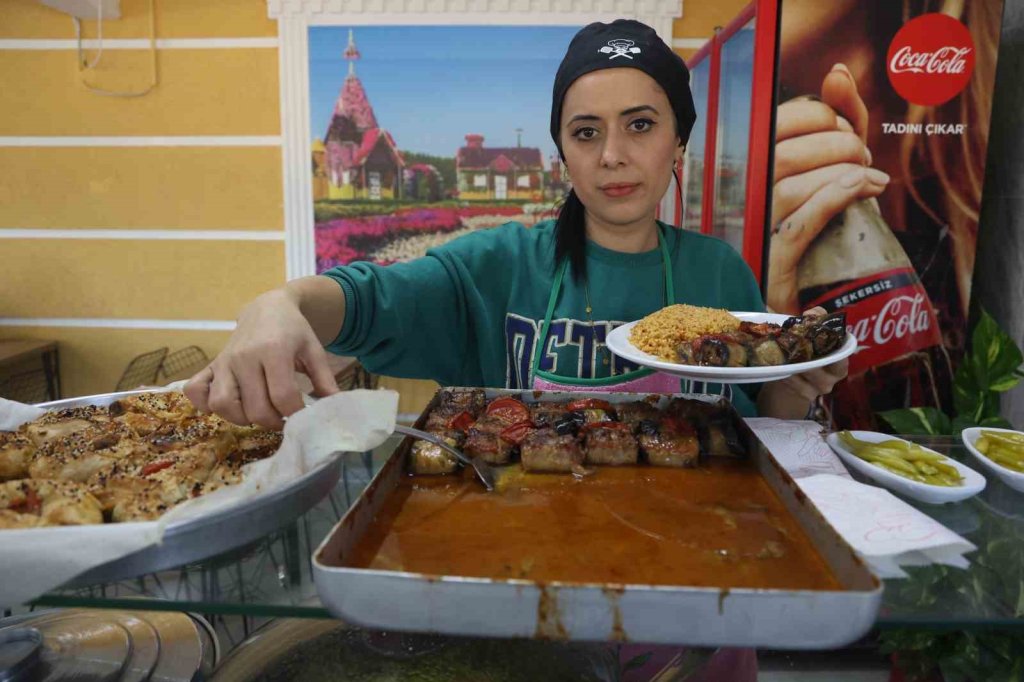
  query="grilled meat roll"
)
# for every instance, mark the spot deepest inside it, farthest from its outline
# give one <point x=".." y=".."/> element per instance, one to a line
<point x="546" y="450"/>
<point x="547" y="413"/>
<point x="669" y="443"/>
<point x="611" y="443"/>
<point x="484" y="440"/>
<point x="719" y="438"/>
<point x="470" y="400"/>
<point x="635" y="412"/>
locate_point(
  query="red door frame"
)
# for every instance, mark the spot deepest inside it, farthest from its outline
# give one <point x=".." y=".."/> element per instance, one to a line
<point x="696" y="59"/>
<point x="762" y="134"/>
<point x="761" y="125"/>
<point x="707" y="209"/>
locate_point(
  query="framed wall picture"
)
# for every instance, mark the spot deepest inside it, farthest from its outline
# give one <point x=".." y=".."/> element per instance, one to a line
<point x="421" y="133"/>
<point x="407" y="123"/>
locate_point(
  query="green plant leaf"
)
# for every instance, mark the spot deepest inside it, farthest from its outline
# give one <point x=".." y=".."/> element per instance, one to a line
<point x="993" y="407"/>
<point x="917" y="420"/>
<point x="996" y="423"/>
<point x="994" y="352"/>
<point x="960" y="423"/>
<point x="1004" y="383"/>
<point x="966" y="392"/>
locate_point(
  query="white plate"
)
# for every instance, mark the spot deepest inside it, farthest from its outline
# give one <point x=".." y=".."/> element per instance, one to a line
<point x="1014" y="479"/>
<point x="619" y="344"/>
<point x="973" y="482"/>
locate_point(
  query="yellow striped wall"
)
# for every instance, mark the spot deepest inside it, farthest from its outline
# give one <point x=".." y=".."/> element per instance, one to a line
<point x="198" y="157"/>
<point x="168" y="206"/>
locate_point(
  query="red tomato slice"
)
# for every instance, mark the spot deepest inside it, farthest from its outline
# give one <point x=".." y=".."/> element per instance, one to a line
<point x="679" y="425"/>
<point x="590" y="404"/>
<point x="517" y="432"/>
<point x="154" y="467"/>
<point x="509" y="409"/>
<point x="618" y="426"/>
<point x="462" y="421"/>
<point x="31" y="504"/>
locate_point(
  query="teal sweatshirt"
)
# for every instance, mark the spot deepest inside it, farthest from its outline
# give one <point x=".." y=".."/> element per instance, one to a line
<point x="469" y="312"/>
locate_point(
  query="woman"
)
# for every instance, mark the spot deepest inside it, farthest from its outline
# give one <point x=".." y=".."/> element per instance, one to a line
<point x="522" y="307"/>
<point x="516" y="307"/>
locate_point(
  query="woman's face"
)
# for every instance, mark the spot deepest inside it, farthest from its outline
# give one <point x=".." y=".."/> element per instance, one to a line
<point x="619" y="138"/>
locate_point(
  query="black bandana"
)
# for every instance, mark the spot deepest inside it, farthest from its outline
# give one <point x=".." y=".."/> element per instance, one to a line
<point x="625" y="43"/>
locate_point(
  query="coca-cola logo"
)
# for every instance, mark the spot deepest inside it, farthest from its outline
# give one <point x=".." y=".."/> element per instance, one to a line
<point x="931" y="59"/>
<point x="900" y="317"/>
<point x="944" y="60"/>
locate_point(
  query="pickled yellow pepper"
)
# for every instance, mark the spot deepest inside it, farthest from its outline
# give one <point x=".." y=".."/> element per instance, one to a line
<point x="908" y="460"/>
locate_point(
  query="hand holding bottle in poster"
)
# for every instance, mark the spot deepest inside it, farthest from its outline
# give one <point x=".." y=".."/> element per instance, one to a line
<point x="822" y="166"/>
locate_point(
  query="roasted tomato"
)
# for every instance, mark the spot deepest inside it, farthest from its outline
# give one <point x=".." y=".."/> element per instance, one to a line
<point x="517" y="432"/>
<point x="590" y="404"/>
<point x="462" y="421"/>
<point x="509" y="410"/>
<point x="678" y="425"/>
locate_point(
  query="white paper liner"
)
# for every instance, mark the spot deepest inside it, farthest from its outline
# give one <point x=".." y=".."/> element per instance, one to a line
<point x="798" y="446"/>
<point x="883" y="529"/>
<point x="33" y="561"/>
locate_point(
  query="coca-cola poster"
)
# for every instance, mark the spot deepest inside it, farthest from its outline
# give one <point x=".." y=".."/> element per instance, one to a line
<point x="881" y="132"/>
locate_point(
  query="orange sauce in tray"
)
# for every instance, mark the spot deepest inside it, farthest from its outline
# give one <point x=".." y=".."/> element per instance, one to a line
<point x="718" y="525"/>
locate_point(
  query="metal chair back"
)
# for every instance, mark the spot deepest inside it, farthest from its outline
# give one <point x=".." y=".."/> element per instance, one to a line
<point x="142" y="370"/>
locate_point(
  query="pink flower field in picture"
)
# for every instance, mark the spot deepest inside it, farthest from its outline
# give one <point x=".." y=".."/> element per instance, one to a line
<point x="406" y="233"/>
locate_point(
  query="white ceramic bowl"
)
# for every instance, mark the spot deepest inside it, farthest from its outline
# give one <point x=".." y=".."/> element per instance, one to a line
<point x="619" y="344"/>
<point x="973" y="482"/>
<point x="1014" y="479"/>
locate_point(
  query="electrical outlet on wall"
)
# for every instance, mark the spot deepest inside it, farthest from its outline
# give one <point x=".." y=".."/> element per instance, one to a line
<point x="86" y="9"/>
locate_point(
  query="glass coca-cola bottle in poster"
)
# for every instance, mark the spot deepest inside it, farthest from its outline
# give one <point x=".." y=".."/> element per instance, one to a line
<point x="879" y="153"/>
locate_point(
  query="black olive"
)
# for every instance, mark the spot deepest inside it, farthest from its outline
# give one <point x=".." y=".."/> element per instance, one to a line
<point x="566" y="426"/>
<point x="649" y="427"/>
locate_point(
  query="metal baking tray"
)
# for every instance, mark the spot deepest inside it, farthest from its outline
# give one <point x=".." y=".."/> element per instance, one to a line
<point x="203" y="537"/>
<point x="700" y="616"/>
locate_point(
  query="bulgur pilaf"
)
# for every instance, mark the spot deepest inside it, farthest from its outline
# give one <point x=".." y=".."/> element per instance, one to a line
<point x="661" y="332"/>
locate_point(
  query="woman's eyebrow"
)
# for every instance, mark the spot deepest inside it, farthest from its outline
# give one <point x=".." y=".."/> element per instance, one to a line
<point x="624" y="112"/>
<point x="636" y="110"/>
<point x="583" y="117"/>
